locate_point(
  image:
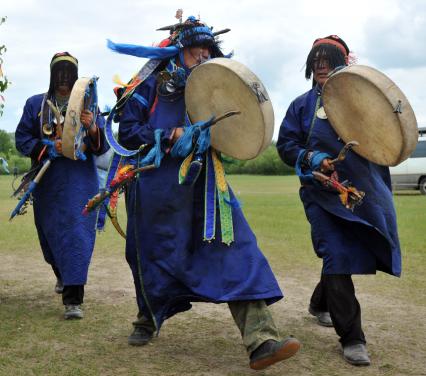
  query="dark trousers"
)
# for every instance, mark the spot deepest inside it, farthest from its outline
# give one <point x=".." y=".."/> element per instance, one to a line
<point x="73" y="294"/>
<point x="335" y="293"/>
<point x="56" y="271"/>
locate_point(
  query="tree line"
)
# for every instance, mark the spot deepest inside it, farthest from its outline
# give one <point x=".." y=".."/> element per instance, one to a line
<point x="267" y="163"/>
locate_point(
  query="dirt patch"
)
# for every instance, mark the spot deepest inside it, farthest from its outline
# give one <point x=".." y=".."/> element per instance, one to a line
<point x="205" y="341"/>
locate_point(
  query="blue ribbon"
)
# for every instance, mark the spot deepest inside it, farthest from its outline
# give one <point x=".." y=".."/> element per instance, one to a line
<point x="198" y="134"/>
<point x="51" y="149"/>
<point x="155" y="155"/>
<point x="143" y="51"/>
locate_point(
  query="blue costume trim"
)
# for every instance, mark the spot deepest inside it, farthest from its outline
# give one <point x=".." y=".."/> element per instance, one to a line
<point x="142" y="75"/>
<point x="140" y="99"/>
<point x="316" y="160"/>
<point x="210" y="200"/>
<point x="304" y="172"/>
<point x="109" y="135"/>
<point x="305" y="177"/>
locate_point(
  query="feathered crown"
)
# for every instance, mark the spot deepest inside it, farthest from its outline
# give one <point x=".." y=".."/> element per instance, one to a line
<point x="192" y="32"/>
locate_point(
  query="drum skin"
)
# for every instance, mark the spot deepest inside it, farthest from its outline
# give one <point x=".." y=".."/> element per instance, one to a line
<point x="364" y="105"/>
<point x="221" y="85"/>
<point x="72" y="137"/>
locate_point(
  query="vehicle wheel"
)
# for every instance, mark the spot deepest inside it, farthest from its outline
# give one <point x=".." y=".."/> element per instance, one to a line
<point x="422" y="186"/>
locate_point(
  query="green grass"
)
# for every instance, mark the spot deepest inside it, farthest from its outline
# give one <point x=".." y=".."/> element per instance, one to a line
<point x="35" y="340"/>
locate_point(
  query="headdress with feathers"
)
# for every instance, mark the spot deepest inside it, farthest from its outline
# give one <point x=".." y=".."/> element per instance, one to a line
<point x="190" y="33"/>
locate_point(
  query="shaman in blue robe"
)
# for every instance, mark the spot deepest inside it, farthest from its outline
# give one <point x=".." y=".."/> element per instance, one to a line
<point x="172" y="265"/>
<point x="358" y="242"/>
<point x="66" y="236"/>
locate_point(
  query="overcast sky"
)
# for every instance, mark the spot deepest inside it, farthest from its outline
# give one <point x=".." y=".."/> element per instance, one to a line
<point x="271" y="37"/>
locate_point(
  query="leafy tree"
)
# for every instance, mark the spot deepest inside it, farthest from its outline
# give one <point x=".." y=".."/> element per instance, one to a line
<point x="23" y="164"/>
<point x="267" y="163"/>
<point x="6" y="145"/>
<point x="11" y="155"/>
<point x="4" y="82"/>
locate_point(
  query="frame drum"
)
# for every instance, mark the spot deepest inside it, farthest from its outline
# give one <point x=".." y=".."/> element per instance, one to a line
<point x="83" y="92"/>
<point x="364" y="105"/>
<point x="221" y="85"/>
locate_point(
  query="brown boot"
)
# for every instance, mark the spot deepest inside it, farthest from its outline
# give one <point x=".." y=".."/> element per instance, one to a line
<point x="270" y="352"/>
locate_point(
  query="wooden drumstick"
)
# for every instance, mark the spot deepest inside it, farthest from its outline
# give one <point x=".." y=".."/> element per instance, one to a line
<point x="345" y="149"/>
<point x="226" y="115"/>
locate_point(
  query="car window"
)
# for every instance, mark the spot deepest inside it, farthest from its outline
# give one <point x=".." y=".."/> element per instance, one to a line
<point x="420" y="151"/>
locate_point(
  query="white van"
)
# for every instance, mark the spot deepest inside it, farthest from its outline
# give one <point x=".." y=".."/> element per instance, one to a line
<point x="411" y="174"/>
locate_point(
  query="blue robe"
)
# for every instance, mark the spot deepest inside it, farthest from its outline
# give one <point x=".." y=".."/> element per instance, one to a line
<point x="66" y="236"/>
<point x="358" y="242"/>
<point x="170" y="262"/>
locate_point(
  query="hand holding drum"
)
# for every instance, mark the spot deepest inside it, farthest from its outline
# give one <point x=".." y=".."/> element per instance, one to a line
<point x="79" y="118"/>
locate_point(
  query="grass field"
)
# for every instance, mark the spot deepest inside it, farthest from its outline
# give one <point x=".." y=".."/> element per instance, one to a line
<point x="35" y="340"/>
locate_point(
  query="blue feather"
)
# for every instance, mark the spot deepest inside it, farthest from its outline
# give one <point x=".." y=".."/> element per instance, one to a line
<point x="155" y="154"/>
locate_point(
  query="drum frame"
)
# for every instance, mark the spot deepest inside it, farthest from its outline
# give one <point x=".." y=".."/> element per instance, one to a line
<point x="392" y="136"/>
<point x="208" y="94"/>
